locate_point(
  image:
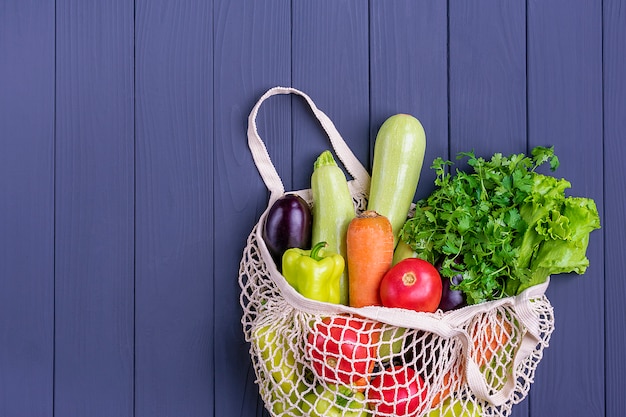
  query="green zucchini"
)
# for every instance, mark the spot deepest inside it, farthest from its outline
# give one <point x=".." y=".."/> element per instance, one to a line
<point x="333" y="209"/>
<point x="398" y="157"/>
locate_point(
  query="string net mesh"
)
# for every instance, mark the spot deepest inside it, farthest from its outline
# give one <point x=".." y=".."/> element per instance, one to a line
<point x="316" y="363"/>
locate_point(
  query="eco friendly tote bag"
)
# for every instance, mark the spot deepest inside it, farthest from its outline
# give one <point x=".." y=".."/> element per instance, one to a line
<point x="314" y="358"/>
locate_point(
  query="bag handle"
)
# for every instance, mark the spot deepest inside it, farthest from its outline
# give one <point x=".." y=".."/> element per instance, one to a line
<point x="529" y="341"/>
<point x="262" y="160"/>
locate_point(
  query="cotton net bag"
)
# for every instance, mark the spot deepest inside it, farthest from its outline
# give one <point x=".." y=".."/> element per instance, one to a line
<point x="319" y="359"/>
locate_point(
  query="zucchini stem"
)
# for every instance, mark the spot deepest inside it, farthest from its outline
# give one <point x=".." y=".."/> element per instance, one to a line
<point x="325" y="159"/>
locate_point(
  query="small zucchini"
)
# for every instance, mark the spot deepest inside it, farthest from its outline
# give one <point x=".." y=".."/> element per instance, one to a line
<point x="398" y="157"/>
<point x="333" y="209"/>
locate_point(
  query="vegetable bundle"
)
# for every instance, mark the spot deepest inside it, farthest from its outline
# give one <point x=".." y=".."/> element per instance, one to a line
<point x="492" y="231"/>
<point x="366" y="242"/>
<point x="504" y="227"/>
<point x="479" y="236"/>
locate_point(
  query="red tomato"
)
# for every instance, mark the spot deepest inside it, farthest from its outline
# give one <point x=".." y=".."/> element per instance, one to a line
<point x="398" y="391"/>
<point x="342" y="349"/>
<point x="413" y="284"/>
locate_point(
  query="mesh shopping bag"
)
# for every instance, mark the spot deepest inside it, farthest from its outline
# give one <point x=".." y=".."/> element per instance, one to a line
<point x="314" y="358"/>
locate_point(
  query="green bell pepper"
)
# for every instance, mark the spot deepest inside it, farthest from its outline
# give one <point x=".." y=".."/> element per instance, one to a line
<point x="315" y="273"/>
<point x="334" y="401"/>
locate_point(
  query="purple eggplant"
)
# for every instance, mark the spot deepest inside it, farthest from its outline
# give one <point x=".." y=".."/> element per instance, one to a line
<point x="287" y="225"/>
<point x="451" y="299"/>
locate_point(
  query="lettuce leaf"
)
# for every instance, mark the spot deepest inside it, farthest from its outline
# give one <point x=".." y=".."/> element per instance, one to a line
<point x="566" y="237"/>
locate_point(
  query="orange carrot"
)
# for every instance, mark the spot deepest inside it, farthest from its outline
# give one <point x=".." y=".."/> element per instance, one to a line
<point x="489" y="337"/>
<point x="369" y="249"/>
<point x="450" y="383"/>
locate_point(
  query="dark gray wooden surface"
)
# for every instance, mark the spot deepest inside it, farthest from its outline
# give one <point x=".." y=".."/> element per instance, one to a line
<point x="127" y="189"/>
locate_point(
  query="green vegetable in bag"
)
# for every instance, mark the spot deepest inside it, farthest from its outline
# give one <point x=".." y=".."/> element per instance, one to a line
<point x="333" y="209"/>
<point x="334" y="401"/>
<point x="314" y="273"/>
<point x="455" y="408"/>
<point x="396" y="168"/>
<point x="556" y="239"/>
<point x="279" y="359"/>
<point x="504" y="226"/>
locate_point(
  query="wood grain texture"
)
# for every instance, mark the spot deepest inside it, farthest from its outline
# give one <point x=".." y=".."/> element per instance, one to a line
<point x="614" y="68"/>
<point x="26" y="208"/>
<point x="174" y="209"/>
<point x="409" y="73"/>
<point x="94" y="209"/>
<point x="487" y="76"/>
<point x="565" y="110"/>
<point x="252" y="53"/>
<point x="331" y="63"/>
<point x="127" y="189"/>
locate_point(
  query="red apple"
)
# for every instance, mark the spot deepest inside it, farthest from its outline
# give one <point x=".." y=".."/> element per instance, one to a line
<point x="398" y="391"/>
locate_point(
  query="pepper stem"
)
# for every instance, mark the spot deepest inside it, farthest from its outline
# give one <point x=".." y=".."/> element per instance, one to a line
<point x="315" y="250"/>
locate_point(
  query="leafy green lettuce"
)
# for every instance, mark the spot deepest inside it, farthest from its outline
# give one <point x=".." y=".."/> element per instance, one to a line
<point x="563" y="240"/>
<point x="504" y="226"/>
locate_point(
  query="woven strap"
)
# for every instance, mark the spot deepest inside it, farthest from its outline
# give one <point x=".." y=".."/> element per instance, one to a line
<point x="361" y="178"/>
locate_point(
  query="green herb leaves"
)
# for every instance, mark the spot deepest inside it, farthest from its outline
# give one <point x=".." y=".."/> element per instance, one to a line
<point x="490" y="224"/>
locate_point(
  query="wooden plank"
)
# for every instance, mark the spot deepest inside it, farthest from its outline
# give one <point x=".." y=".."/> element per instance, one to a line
<point x="330" y="62"/>
<point x="252" y="54"/>
<point x="26" y="208"/>
<point x="94" y="209"/>
<point x="174" y="209"/>
<point x="409" y="72"/>
<point x="487" y="77"/>
<point x="487" y="82"/>
<point x="614" y="68"/>
<point x="565" y="110"/>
